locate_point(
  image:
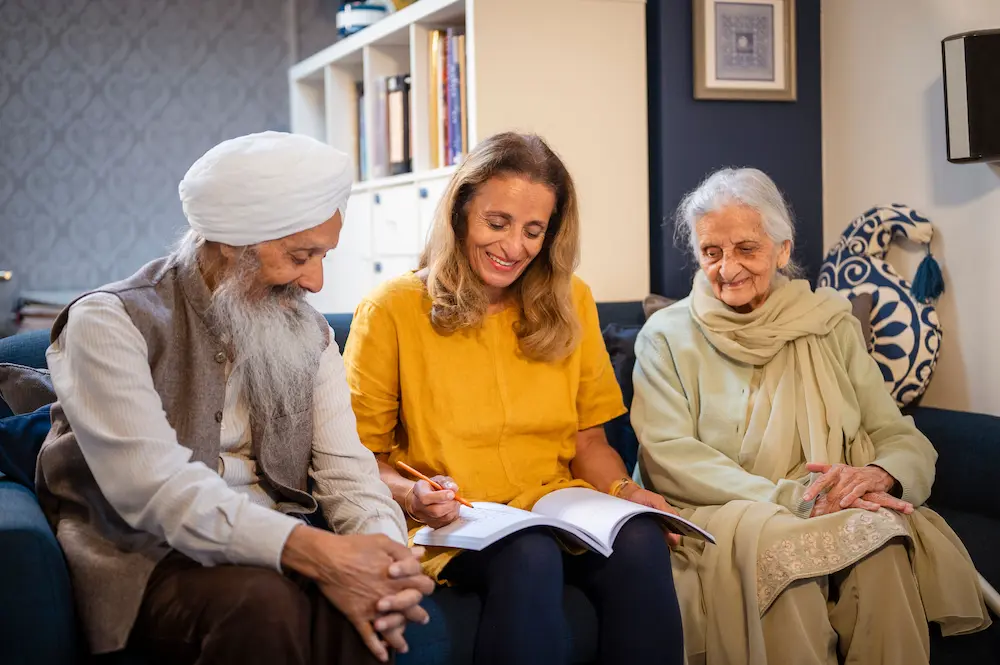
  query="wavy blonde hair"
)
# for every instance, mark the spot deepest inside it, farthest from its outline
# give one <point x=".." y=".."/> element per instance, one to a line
<point x="548" y="328"/>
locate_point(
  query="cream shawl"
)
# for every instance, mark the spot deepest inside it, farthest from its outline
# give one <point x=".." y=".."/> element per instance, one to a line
<point x="806" y="410"/>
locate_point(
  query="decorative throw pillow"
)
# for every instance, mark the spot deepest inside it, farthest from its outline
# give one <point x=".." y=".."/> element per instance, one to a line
<point x="21" y="438"/>
<point x="25" y="389"/>
<point x="906" y="332"/>
<point x="654" y="303"/>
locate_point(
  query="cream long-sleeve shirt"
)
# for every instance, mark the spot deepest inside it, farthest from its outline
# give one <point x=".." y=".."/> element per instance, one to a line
<point x="101" y="375"/>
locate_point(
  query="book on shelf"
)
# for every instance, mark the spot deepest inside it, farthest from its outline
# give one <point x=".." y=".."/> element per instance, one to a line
<point x="385" y="149"/>
<point x="447" y="98"/>
<point x="433" y="103"/>
<point x="454" y="98"/>
<point x="378" y="156"/>
<point x="398" y="88"/>
<point x="588" y="517"/>
<point x="362" y="144"/>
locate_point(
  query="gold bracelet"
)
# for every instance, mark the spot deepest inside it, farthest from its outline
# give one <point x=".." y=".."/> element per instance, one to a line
<point x="618" y="486"/>
<point x="406" y="506"/>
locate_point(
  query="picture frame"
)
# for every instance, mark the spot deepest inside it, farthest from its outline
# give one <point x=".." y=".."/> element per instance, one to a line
<point x="744" y="50"/>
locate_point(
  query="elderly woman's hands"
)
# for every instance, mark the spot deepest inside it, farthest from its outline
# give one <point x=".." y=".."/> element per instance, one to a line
<point x="843" y="486"/>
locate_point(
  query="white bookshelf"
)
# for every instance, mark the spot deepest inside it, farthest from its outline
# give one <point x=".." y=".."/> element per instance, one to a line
<point x="573" y="71"/>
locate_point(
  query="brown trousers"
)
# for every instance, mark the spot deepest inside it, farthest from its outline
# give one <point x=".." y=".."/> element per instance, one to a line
<point x="243" y="615"/>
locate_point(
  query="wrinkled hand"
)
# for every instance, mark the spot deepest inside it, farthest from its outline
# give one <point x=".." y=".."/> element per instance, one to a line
<point x="842" y="486"/>
<point x="361" y="575"/>
<point x="435" y="508"/>
<point x="644" y="497"/>
<point x="404" y="607"/>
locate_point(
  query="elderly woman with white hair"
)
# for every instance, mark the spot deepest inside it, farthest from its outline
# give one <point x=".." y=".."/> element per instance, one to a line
<point x="761" y="415"/>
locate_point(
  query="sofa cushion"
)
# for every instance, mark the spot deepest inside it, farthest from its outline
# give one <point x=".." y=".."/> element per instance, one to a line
<point x="968" y="447"/>
<point x="341" y="324"/>
<point x="24" y="388"/>
<point x="980" y="535"/>
<point x="620" y="342"/>
<point x="27" y="348"/>
<point x="21" y="438"/>
<point x="653" y="303"/>
<point x="37" y="623"/>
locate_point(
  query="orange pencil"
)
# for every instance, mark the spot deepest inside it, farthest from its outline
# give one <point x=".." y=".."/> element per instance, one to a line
<point x="413" y="472"/>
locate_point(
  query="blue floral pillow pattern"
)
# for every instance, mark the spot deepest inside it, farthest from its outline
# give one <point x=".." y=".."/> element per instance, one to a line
<point x="906" y="333"/>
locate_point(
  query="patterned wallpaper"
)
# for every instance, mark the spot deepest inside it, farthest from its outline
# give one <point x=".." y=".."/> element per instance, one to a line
<point x="104" y="104"/>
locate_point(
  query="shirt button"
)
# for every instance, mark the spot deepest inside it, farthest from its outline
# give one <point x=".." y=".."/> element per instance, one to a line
<point x="220" y="357"/>
<point x="218" y="416"/>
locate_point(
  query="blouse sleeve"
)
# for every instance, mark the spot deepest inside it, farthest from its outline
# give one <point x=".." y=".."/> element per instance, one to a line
<point x="371" y="360"/>
<point x="598" y="398"/>
<point x="900" y="448"/>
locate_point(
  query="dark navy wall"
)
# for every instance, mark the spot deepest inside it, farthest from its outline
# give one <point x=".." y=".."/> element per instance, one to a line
<point x="688" y="139"/>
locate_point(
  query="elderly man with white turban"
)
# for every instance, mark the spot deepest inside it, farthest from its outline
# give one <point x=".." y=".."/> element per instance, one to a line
<point x="202" y="413"/>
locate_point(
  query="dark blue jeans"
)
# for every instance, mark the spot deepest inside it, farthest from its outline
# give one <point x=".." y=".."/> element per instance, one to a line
<point x="521" y="582"/>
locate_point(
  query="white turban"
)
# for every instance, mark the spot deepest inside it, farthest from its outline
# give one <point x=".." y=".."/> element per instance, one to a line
<point x="264" y="186"/>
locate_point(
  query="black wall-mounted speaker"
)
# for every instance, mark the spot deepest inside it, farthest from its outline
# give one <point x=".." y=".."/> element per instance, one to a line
<point x="971" y="63"/>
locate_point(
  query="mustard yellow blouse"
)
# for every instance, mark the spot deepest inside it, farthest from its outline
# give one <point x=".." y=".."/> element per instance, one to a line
<point x="469" y="405"/>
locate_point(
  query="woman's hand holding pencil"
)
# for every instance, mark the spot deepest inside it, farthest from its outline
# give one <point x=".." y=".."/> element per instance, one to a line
<point x="432" y="501"/>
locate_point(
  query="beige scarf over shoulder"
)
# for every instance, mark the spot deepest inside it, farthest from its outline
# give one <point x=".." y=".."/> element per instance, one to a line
<point x="806" y="410"/>
<point x="789" y="336"/>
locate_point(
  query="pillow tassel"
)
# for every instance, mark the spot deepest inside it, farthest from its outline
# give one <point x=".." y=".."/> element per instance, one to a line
<point x="928" y="283"/>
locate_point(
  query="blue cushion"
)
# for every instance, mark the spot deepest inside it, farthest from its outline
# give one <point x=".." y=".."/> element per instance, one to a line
<point x="20" y="439"/>
<point x="623" y="313"/>
<point x="37" y="623"/>
<point x="620" y="342"/>
<point x="341" y="324"/>
<point x="968" y="447"/>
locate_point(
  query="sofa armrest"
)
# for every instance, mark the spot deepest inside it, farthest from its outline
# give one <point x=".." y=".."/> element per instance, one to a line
<point x="968" y="446"/>
<point x="37" y="622"/>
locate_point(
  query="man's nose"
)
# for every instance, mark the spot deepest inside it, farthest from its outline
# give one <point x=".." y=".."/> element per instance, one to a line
<point x="312" y="277"/>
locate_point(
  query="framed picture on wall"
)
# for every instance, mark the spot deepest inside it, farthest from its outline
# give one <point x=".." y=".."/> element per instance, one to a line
<point x="744" y="50"/>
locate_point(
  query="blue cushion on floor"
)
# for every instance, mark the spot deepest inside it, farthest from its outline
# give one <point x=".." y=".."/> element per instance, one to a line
<point x="20" y="439"/>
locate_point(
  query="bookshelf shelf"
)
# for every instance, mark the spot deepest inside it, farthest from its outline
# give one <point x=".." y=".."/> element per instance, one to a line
<point x="573" y="71"/>
<point x="389" y="31"/>
<point x="403" y="179"/>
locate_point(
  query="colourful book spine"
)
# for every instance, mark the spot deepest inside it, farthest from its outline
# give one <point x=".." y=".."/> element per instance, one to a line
<point x="463" y="101"/>
<point x="362" y="143"/>
<point x="442" y="101"/>
<point x="432" y="102"/>
<point x="454" y="101"/>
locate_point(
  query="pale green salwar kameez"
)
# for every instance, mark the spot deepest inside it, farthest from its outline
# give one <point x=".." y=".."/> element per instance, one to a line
<point x="728" y="410"/>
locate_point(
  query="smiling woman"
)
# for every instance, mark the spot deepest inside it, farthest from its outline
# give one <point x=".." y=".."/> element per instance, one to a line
<point x="760" y="413"/>
<point x="487" y="367"/>
<point x="507" y="231"/>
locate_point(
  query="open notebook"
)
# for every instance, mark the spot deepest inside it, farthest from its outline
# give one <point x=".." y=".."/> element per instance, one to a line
<point x="589" y="516"/>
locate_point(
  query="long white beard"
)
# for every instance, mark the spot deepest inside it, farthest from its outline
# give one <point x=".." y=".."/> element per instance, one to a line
<point x="273" y="334"/>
